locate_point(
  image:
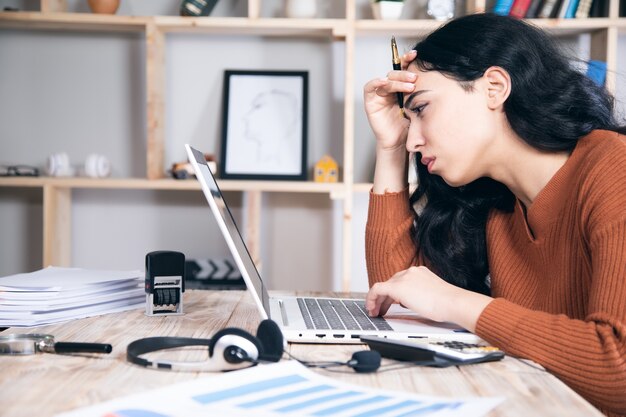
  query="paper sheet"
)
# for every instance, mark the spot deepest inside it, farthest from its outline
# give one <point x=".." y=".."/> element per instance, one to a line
<point x="282" y="389"/>
<point x="53" y="294"/>
<point x="54" y="279"/>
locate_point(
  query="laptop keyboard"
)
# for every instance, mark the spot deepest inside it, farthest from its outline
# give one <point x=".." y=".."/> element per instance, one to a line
<point x="337" y="314"/>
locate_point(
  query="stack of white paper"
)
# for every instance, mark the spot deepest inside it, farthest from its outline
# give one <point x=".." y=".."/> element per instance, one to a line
<point x="56" y="294"/>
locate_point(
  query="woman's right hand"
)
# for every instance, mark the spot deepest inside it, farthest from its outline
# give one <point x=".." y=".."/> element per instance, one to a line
<point x="381" y="105"/>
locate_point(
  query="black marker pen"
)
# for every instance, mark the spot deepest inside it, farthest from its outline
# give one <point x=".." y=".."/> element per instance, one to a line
<point x="396" y="66"/>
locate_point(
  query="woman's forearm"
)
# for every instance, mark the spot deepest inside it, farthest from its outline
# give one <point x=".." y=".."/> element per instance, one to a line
<point x="390" y="174"/>
<point x="466" y="307"/>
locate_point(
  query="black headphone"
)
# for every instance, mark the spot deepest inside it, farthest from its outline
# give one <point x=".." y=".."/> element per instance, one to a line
<point x="363" y="361"/>
<point x="232" y="348"/>
<point x="229" y="349"/>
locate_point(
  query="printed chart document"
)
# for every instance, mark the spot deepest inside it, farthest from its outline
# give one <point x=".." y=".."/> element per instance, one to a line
<point x="54" y="294"/>
<point x="281" y="389"/>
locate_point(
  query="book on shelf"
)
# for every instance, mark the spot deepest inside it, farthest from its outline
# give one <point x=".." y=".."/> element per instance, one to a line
<point x="561" y="9"/>
<point x="533" y="9"/>
<point x="599" y="8"/>
<point x="519" y="8"/>
<point x="570" y="9"/>
<point x="549" y="9"/>
<point x="582" y="11"/>
<point x="596" y="70"/>
<point x="502" y="7"/>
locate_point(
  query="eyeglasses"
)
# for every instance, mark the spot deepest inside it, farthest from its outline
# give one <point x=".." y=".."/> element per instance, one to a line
<point x="19" y="171"/>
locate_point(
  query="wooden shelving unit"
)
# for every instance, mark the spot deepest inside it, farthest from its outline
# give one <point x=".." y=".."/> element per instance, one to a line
<point x="332" y="189"/>
<point x="57" y="192"/>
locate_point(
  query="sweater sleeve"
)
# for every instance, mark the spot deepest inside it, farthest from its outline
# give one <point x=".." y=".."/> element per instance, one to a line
<point x="590" y="354"/>
<point x="389" y="246"/>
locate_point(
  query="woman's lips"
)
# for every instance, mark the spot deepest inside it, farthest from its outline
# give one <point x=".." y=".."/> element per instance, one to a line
<point x="429" y="163"/>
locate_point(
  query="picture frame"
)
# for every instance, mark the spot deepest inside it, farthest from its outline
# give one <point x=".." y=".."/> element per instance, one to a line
<point x="264" y="129"/>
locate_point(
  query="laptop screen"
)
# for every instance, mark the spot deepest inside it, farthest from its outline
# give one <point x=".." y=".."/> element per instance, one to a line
<point x="228" y="226"/>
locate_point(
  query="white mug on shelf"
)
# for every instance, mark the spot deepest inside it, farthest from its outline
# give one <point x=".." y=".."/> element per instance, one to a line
<point x="97" y="166"/>
<point x="58" y="165"/>
<point x="303" y="9"/>
<point x="387" y="9"/>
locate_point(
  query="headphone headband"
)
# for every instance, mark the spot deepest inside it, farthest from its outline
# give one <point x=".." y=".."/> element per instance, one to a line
<point x="152" y="344"/>
<point x="229" y="349"/>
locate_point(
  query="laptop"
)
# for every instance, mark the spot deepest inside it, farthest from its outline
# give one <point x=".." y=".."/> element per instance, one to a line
<point x="314" y="319"/>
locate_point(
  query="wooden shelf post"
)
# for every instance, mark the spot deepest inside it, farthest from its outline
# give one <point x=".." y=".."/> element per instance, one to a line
<point x="475" y="6"/>
<point x="604" y="48"/>
<point x="254" y="9"/>
<point x="57" y="226"/>
<point x="155" y="90"/>
<point x="53" y="6"/>
<point x="348" y="161"/>
<point x="252" y="224"/>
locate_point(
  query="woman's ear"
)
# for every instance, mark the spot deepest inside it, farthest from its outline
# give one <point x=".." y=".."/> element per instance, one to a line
<point x="498" y="83"/>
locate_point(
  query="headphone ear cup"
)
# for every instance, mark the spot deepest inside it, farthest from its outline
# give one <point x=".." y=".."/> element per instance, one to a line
<point x="365" y="361"/>
<point x="272" y="341"/>
<point x="233" y="348"/>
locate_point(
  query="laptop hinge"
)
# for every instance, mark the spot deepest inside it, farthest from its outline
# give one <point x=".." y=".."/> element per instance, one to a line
<point x="283" y="313"/>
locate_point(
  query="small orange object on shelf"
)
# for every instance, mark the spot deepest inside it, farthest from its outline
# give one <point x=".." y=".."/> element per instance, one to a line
<point x="326" y="170"/>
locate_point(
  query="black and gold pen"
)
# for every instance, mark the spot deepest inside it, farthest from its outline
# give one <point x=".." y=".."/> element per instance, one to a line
<point x="396" y="66"/>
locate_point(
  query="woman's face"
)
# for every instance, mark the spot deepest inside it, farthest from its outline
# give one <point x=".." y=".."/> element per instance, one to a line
<point x="451" y="127"/>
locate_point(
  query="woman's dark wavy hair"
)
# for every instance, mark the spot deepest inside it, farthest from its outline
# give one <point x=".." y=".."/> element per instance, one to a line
<point x="550" y="106"/>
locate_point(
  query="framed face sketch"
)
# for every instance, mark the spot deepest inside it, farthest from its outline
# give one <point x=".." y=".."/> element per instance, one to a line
<point x="264" y="131"/>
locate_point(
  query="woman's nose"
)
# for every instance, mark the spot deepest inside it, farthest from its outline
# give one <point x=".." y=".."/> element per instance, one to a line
<point x="414" y="141"/>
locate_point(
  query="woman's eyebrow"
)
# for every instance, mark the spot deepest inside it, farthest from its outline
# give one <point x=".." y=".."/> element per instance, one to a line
<point x="412" y="96"/>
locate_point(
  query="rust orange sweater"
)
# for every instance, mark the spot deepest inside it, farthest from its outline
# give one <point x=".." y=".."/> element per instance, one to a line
<point x="558" y="274"/>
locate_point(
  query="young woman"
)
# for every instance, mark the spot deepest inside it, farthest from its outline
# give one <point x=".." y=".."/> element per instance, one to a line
<point x="521" y="231"/>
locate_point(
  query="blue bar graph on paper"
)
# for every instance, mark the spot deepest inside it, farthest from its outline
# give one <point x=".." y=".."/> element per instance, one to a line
<point x="285" y="389"/>
<point x="285" y="396"/>
<point x="429" y="409"/>
<point x="248" y="389"/>
<point x="132" y="412"/>
<point x="315" y="401"/>
<point x="292" y="393"/>
<point x="349" y="405"/>
<point x="382" y="410"/>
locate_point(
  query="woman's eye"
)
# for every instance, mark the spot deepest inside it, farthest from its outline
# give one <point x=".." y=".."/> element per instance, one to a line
<point x="418" y="109"/>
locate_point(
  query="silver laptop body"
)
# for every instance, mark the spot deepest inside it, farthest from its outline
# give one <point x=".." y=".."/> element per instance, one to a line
<point x="298" y="317"/>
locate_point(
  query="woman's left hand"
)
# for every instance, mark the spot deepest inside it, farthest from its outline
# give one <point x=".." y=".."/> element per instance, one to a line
<point x="425" y="293"/>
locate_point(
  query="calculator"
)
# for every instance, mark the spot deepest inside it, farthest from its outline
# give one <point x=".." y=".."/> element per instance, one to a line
<point x="409" y="350"/>
<point x="462" y="351"/>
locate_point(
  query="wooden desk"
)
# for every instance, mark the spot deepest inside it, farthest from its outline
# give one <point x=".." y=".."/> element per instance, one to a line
<point x="46" y="384"/>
